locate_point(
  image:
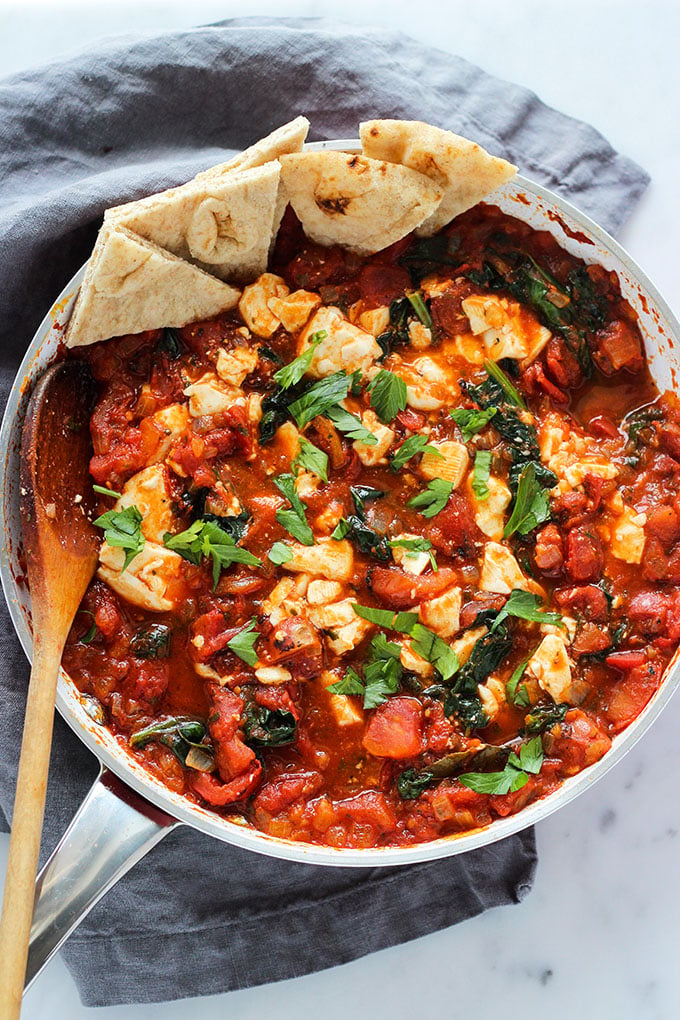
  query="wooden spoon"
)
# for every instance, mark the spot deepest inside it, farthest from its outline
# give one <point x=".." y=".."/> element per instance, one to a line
<point x="61" y="552"/>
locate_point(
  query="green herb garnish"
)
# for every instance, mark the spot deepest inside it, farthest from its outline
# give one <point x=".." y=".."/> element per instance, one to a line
<point x="206" y="539"/>
<point x="293" y="520"/>
<point x="268" y="727"/>
<point x="525" y="606"/>
<point x="420" y="308"/>
<point x="88" y="637"/>
<point x="470" y="422"/>
<point x="388" y="395"/>
<point x="123" y="530"/>
<point x="514" y="776"/>
<point x="409" y="448"/>
<point x="512" y="394"/>
<point x="481" y="473"/>
<point x="319" y="397"/>
<point x="350" y="425"/>
<point x="243" y="643"/>
<point x="435" y="650"/>
<point x="187" y="739"/>
<point x="280" y="553"/>
<point x="531" y="507"/>
<point x="433" y="499"/>
<point x="387" y="618"/>
<point x="151" y="642"/>
<point x="292" y="373"/>
<point x="515" y="693"/>
<point x="382" y="674"/>
<point x="103" y="491"/>
<point x="311" y="458"/>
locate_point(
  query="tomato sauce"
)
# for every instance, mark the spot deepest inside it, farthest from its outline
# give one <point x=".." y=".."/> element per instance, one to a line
<point x="370" y="766"/>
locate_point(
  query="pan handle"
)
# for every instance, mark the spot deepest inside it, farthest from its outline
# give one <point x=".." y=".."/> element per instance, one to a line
<point x="112" y="830"/>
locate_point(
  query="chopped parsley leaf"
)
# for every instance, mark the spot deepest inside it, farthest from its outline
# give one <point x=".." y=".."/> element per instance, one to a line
<point x="433" y="499"/>
<point x="123" y="530"/>
<point x="293" y="520"/>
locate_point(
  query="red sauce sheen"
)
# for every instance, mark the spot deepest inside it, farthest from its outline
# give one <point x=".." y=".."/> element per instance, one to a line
<point x="279" y="749"/>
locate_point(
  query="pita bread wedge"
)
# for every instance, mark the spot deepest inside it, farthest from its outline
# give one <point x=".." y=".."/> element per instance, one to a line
<point x="132" y="285"/>
<point x="288" y="138"/>
<point x="222" y="224"/>
<point x="463" y="170"/>
<point x="363" y="204"/>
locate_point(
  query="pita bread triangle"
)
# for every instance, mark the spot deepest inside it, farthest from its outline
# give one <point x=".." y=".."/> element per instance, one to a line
<point x="132" y="285"/>
<point x="289" y="137"/>
<point x="223" y="224"/>
<point x="463" y="170"/>
<point x="363" y="204"/>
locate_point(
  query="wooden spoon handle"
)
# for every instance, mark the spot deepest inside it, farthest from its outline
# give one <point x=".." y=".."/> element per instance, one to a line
<point x="29" y="806"/>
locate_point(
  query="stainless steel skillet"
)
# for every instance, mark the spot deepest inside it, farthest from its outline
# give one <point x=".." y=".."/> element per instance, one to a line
<point x="127" y="810"/>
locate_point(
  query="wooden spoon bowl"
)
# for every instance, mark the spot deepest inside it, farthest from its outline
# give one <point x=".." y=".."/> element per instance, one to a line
<point x="61" y="553"/>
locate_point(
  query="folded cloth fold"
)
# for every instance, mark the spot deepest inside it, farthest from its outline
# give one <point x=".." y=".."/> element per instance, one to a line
<point x="130" y="117"/>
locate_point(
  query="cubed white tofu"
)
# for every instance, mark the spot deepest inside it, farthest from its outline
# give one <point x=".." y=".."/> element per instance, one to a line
<point x="287" y="441"/>
<point x="463" y="645"/>
<point x="286" y="598"/>
<point x="413" y="662"/>
<point x="573" y="474"/>
<point x="149" y="578"/>
<point x="429" y="385"/>
<point x="345" y="347"/>
<point x="501" y="571"/>
<point x="485" y="311"/>
<point x="492" y="696"/>
<point x="148" y="490"/>
<point x="451" y="465"/>
<point x="233" y="366"/>
<point x="171" y="423"/>
<point x="471" y="348"/>
<point x="306" y="484"/>
<point x="434" y="286"/>
<point x="372" y="455"/>
<point x="344" y="630"/>
<point x="328" y="520"/>
<point x="550" y="666"/>
<point x="328" y="558"/>
<point x="571" y="454"/>
<point x="375" y="320"/>
<point x="628" y="535"/>
<point x="255" y="407"/>
<point x="490" y="512"/>
<point x="320" y="593"/>
<point x="409" y="560"/>
<point x="506" y="328"/>
<point x="273" y="675"/>
<point x="294" y="310"/>
<point x="442" y="614"/>
<point x="567" y="632"/>
<point x="209" y="395"/>
<point x="346" y="711"/>
<point x="254" y="304"/>
<point x="420" y="336"/>
<point x="222" y="501"/>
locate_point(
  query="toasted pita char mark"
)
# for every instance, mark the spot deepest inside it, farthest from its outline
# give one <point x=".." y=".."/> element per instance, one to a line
<point x="223" y="224"/>
<point x="363" y="204"/>
<point x="464" y="171"/>
<point x="287" y="138"/>
<point x="131" y="285"/>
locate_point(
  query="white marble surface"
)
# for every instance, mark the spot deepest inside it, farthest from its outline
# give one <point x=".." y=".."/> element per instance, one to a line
<point x="599" y="935"/>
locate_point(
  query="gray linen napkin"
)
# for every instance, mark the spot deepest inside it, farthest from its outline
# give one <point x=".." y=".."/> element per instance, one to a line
<point x="133" y="116"/>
